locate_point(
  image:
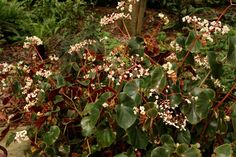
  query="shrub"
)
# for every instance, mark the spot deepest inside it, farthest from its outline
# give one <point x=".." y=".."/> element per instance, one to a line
<point x="142" y="98"/>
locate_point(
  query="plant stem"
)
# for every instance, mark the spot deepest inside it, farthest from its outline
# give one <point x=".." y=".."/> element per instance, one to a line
<point x="226" y="96"/>
<point x="126" y="28"/>
<point x="205" y="78"/>
<point x="88" y="147"/>
<point x="189" y="50"/>
<point x="38" y="53"/>
<point x="120" y="29"/>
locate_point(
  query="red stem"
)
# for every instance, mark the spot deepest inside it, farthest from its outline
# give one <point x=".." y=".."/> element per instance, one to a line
<point x="226" y="96"/>
<point x="38" y="53"/>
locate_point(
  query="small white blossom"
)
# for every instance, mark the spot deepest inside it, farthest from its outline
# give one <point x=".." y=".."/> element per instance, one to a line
<point x="105" y="105"/>
<point x="21" y="136"/>
<point x="32" y="41"/>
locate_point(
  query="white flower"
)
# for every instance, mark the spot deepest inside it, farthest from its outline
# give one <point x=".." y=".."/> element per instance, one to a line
<point x="32" y="41"/>
<point x="21" y="136"/>
<point x="161" y="15"/>
<point x="225" y="29"/>
<point x="142" y="110"/>
<point x="105" y="105"/>
<point x="135" y="110"/>
<point x="188" y="101"/>
<point x="53" y="57"/>
<point x="130" y="8"/>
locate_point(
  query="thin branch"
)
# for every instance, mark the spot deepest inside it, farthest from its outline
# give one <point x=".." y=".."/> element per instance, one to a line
<point x="38" y="53"/>
<point x="226" y="96"/>
<point x="189" y="50"/>
<point x="126" y="28"/>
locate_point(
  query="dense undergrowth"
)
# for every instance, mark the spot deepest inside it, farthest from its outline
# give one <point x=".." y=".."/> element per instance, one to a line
<point x="113" y="95"/>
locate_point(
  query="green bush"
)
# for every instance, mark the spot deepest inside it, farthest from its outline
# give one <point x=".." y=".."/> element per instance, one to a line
<point x="12" y="17"/>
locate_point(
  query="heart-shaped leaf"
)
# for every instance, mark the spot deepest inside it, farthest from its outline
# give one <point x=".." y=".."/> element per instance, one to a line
<point x="52" y="135"/>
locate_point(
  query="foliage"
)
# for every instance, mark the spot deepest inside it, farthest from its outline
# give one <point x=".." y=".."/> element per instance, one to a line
<point x="12" y="19"/>
<point x="42" y="18"/>
<point x="131" y="96"/>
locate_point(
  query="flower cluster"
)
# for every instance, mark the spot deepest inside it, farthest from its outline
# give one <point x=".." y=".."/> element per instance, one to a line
<point x="164" y="18"/>
<point x="113" y="17"/>
<point x="174" y="45"/>
<point x="53" y="58"/>
<point x="217" y="83"/>
<point x="140" y="110"/>
<point x="205" y="28"/>
<point x="28" y="84"/>
<point x="6" y="68"/>
<point x="171" y="116"/>
<point x="117" y="69"/>
<point x="77" y="47"/>
<point x="201" y="61"/>
<point x="3" y="86"/>
<point x="125" y="10"/>
<point x="44" y="73"/>
<point x="168" y="67"/>
<point x="32" y="41"/>
<point x="31" y="99"/>
<point x="22" y="66"/>
<point x="88" y="56"/>
<point x="21" y="136"/>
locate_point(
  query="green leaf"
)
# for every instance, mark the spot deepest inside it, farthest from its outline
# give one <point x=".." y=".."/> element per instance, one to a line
<point x="233" y="116"/>
<point x="193" y="152"/>
<point x="181" y="40"/>
<point x="175" y="99"/>
<point x="198" y="110"/>
<point x="127" y="100"/>
<point x="160" y="152"/>
<point x="136" y="46"/>
<point x="103" y="98"/>
<point x="121" y="155"/>
<point x="60" y="81"/>
<point x="231" y="56"/>
<point x="10" y="139"/>
<point x="52" y="135"/>
<point x="211" y="129"/>
<point x="167" y="139"/>
<point x="137" y="138"/>
<point x="161" y="36"/>
<point x="88" y="123"/>
<point x="16" y="87"/>
<point x="125" y="116"/>
<point x="58" y="98"/>
<point x="168" y="142"/>
<point x="158" y="78"/>
<point x="191" y="113"/>
<point x="184" y="137"/>
<point x="105" y="137"/>
<point x="75" y="66"/>
<point x="84" y="83"/>
<point x="216" y="67"/>
<point x="182" y="148"/>
<point x="190" y="39"/>
<point x="222" y="126"/>
<point x="152" y="112"/>
<point x="132" y="90"/>
<point x="50" y="151"/>
<point x="224" y="150"/>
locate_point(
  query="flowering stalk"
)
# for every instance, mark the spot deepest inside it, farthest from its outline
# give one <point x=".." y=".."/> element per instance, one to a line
<point x="126" y="28"/>
<point x="38" y="53"/>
